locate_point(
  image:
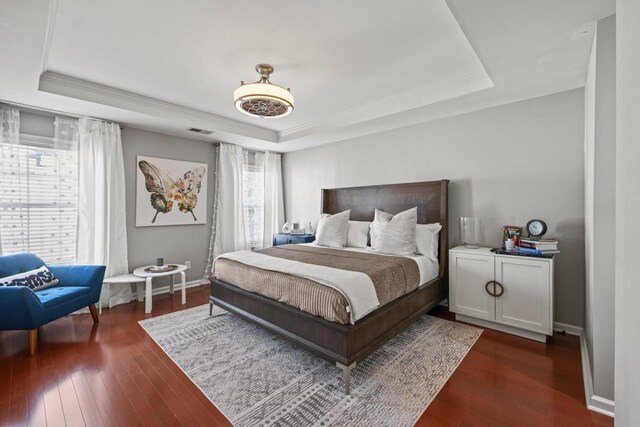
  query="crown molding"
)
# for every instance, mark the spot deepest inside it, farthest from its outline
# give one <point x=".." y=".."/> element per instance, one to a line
<point x="178" y="118"/>
<point x="72" y="87"/>
<point x="339" y="125"/>
<point x="408" y="100"/>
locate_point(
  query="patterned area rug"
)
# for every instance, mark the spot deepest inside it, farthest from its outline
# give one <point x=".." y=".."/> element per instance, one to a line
<point x="258" y="379"/>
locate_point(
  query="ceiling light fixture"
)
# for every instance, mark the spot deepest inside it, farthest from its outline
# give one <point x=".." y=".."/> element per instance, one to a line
<point x="263" y="98"/>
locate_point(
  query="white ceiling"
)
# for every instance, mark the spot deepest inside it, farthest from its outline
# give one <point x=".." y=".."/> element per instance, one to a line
<point x="354" y="67"/>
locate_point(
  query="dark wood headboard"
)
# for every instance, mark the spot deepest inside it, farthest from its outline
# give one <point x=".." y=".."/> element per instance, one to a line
<point x="430" y="198"/>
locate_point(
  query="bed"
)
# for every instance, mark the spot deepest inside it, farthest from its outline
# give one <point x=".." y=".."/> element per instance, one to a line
<point x="342" y="343"/>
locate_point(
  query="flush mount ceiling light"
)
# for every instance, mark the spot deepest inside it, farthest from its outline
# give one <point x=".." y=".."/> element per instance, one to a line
<point x="262" y="98"/>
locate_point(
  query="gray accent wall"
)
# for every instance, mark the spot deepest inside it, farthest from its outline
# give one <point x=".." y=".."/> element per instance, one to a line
<point x="176" y="243"/>
<point x="507" y="164"/>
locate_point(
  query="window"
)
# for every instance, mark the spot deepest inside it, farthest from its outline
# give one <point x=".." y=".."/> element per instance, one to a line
<point x="39" y="194"/>
<point x="253" y="197"/>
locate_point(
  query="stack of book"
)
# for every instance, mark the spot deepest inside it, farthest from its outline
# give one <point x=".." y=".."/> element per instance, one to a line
<point x="538" y="246"/>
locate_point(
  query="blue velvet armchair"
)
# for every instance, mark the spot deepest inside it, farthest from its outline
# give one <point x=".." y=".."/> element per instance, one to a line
<point x="23" y="309"/>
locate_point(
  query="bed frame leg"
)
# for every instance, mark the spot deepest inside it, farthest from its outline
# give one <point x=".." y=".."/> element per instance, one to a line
<point x="346" y="370"/>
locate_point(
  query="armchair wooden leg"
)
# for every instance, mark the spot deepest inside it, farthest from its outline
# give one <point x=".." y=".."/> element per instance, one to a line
<point x="32" y="338"/>
<point x="94" y="313"/>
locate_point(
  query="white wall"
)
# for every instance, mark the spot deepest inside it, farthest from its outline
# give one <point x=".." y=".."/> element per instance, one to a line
<point x="506" y="164"/>
<point x="600" y="169"/>
<point x="627" y="317"/>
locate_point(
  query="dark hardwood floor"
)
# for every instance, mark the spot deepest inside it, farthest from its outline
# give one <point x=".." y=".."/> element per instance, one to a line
<point x="114" y="374"/>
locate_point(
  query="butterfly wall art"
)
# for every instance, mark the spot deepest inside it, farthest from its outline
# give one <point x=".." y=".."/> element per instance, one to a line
<point x="170" y="192"/>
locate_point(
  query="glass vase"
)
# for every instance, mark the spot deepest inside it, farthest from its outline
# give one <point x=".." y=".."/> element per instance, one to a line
<point x="471" y="232"/>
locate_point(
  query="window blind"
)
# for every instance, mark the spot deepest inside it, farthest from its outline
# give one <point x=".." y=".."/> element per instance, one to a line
<point x="39" y="195"/>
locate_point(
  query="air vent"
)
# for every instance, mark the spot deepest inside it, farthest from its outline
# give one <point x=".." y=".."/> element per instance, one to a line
<point x="202" y="131"/>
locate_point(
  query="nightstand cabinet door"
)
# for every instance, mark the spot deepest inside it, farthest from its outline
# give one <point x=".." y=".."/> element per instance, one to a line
<point x="287" y="239"/>
<point x="526" y="302"/>
<point x="280" y="239"/>
<point x="468" y="275"/>
<point x="304" y="238"/>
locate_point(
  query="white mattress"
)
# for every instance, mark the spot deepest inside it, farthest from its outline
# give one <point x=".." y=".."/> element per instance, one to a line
<point x="427" y="266"/>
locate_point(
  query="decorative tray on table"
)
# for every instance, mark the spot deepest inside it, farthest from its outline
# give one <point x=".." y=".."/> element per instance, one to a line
<point x="161" y="269"/>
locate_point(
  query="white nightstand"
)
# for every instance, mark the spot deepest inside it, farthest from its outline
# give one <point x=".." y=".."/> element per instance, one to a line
<point x="510" y="293"/>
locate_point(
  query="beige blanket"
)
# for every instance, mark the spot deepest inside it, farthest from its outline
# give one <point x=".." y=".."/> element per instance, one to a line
<point x="391" y="277"/>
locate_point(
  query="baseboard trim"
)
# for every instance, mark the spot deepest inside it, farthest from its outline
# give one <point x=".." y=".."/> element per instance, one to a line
<point x="594" y="403"/>
<point x="570" y="329"/>
<point x="190" y="284"/>
<point x="602" y="405"/>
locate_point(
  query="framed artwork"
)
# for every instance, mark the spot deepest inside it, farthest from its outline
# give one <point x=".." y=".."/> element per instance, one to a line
<point x="170" y="192"/>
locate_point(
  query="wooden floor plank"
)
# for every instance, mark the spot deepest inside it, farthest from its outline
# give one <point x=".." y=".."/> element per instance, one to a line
<point x="137" y="399"/>
<point x="53" y="409"/>
<point x="17" y="400"/>
<point x="158" y="403"/>
<point x="174" y="400"/>
<point x="90" y="412"/>
<point x="105" y="402"/>
<point x="36" y="414"/>
<point x="69" y="401"/>
<point x="63" y="363"/>
<point x="127" y="412"/>
<point x="113" y="373"/>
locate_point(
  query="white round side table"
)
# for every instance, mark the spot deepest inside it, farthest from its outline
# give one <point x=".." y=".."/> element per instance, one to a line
<point x="121" y="280"/>
<point x="148" y="278"/>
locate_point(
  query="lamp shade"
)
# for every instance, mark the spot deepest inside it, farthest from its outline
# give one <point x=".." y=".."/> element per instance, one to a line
<point x="262" y="98"/>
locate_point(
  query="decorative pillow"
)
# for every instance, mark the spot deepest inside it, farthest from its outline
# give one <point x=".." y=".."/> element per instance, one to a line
<point x="427" y="238"/>
<point x="374" y="231"/>
<point x="394" y="234"/>
<point x="332" y="230"/>
<point x="36" y="280"/>
<point x="358" y="234"/>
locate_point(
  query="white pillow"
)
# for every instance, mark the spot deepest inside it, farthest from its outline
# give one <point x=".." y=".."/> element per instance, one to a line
<point x="427" y="239"/>
<point x="394" y="234"/>
<point x="358" y="234"/>
<point x="36" y="280"/>
<point x="332" y="230"/>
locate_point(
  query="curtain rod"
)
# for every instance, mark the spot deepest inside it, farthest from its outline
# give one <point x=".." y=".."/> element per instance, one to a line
<point x="217" y="144"/>
<point x="50" y="111"/>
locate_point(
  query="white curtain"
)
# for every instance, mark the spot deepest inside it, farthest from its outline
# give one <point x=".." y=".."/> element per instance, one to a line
<point x="230" y="228"/>
<point x="273" y="196"/>
<point x="9" y="159"/>
<point x="248" y="201"/>
<point x="102" y="220"/>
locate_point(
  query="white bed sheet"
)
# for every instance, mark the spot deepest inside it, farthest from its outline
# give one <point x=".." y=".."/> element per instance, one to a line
<point x="427" y="266"/>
